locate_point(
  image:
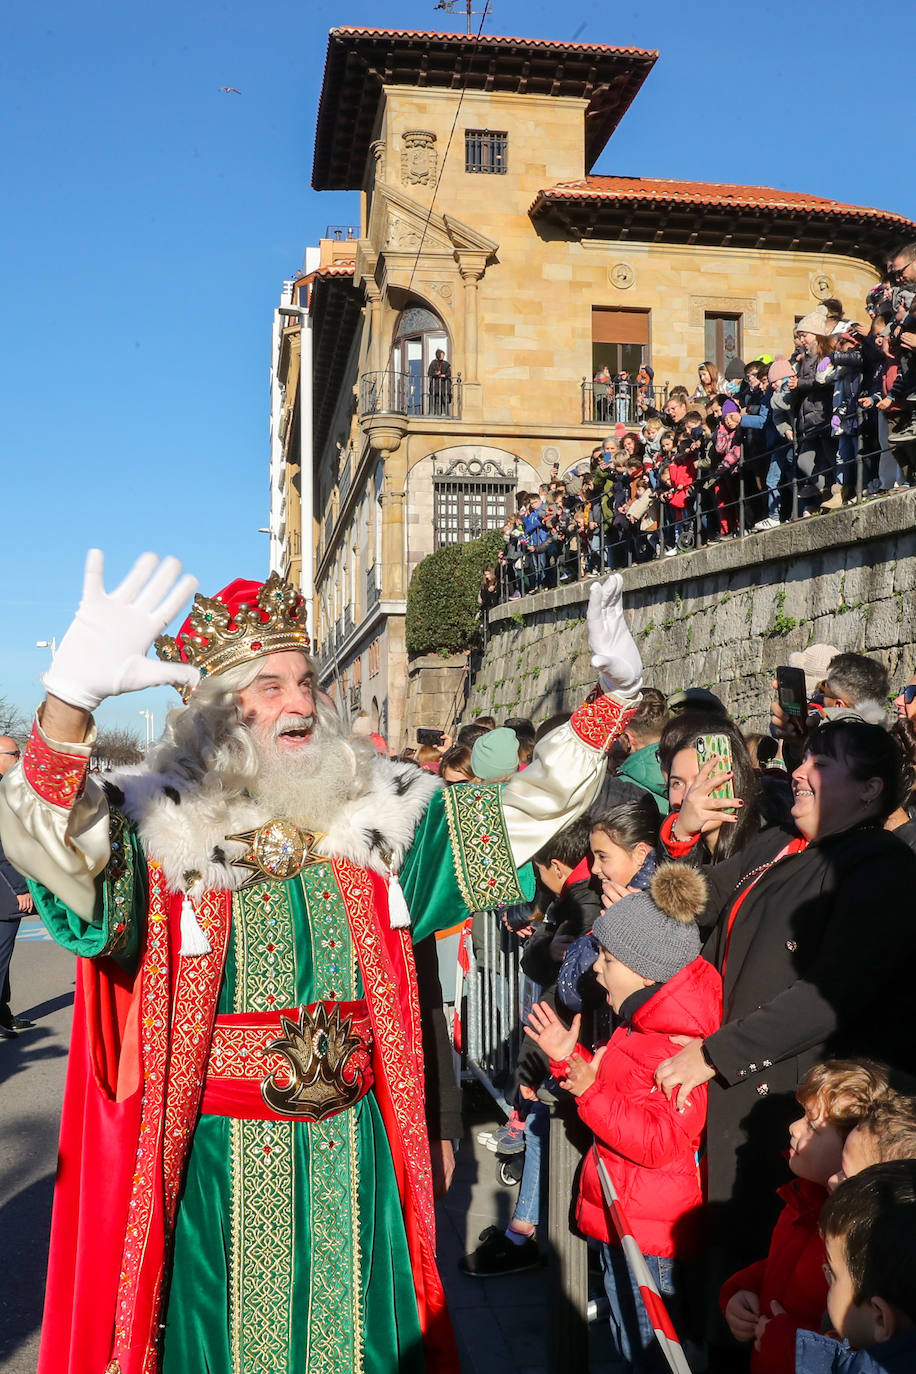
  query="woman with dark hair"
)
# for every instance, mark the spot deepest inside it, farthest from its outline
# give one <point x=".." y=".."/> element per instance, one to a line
<point x="700" y="828"/>
<point x="455" y="764"/>
<point x="813" y="933"/>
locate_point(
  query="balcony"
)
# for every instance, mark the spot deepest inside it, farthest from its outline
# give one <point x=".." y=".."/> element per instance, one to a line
<point x="610" y="403"/>
<point x="403" y="393"/>
<point x="372" y="588"/>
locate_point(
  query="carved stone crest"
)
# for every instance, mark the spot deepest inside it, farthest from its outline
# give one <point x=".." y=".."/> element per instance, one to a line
<point x="401" y="234"/>
<point x="418" y="158"/>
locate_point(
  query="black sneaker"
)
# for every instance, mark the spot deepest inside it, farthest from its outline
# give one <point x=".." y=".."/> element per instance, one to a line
<point x="496" y="1255"/>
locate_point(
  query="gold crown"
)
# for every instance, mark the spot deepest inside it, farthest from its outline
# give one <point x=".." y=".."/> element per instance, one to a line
<point x="222" y="632"/>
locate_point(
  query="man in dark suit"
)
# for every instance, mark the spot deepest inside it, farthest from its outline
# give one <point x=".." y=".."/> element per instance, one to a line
<point x="15" y="902"/>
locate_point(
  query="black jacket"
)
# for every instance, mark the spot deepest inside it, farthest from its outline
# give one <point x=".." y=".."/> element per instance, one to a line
<point x="820" y="964"/>
<point x="12" y="884"/>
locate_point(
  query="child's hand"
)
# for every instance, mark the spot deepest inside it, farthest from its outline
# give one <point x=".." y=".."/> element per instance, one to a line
<point x="547" y="1030"/>
<point x="776" y="1310"/>
<point x="742" y="1313"/>
<point x="580" y="1076"/>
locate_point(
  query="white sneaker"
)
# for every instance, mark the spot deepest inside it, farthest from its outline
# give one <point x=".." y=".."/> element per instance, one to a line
<point x="670" y="552"/>
<point x="770" y="523"/>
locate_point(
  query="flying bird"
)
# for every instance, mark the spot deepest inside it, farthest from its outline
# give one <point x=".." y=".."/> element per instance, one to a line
<point x="229" y="90"/>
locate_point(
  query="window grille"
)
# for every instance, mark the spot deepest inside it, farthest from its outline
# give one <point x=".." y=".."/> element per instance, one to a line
<point x="485" y="151"/>
<point x="466" y="510"/>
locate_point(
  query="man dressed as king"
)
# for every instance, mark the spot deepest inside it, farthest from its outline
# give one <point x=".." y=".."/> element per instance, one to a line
<point x="245" y="1180"/>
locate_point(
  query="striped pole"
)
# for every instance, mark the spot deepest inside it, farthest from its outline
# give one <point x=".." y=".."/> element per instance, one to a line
<point x="662" y="1325"/>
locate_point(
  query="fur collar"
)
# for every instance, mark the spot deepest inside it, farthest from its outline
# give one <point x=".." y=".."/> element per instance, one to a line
<point x="184" y="828"/>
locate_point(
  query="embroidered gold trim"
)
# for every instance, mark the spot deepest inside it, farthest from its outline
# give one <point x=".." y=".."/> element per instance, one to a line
<point x="481" y="852"/>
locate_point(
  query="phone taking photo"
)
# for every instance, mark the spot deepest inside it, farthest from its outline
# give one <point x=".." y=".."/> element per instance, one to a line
<point x="718" y="747"/>
<point x="791" y="692"/>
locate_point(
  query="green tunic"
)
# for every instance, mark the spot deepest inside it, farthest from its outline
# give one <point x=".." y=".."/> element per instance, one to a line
<point x="289" y="1252"/>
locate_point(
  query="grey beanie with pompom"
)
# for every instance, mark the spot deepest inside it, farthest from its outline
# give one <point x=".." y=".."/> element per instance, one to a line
<point x="655" y="933"/>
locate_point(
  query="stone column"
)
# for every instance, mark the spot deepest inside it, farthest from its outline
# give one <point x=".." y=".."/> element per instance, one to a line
<point x="470" y="276"/>
<point x="374" y="361"/>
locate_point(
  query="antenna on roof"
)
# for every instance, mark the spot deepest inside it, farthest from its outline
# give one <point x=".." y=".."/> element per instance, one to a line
<point x="450" y="7"/>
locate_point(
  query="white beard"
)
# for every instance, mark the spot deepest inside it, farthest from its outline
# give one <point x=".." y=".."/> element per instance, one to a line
<point x="307" y="787"/>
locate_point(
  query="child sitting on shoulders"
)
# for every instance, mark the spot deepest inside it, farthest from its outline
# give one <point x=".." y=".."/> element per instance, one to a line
<point x="649" y="967"/>
<point x="869" y="1228"/>
<point x="770" y="1301"/>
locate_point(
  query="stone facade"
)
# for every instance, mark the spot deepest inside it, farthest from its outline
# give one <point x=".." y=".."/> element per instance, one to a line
<point x="723" y="618"/>
<point x="512" y="300"/>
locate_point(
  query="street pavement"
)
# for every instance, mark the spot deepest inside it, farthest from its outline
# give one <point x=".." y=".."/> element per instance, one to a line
<point x="501" y="1324"/>
<point x="31" y="1086"/>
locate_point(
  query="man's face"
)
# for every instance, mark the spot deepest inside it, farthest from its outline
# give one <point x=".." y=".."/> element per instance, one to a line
<point x="903" y="270"/>
<point x="9" y="754"/>
<point x="676" y="410"/>
<point x="281" y="697"/>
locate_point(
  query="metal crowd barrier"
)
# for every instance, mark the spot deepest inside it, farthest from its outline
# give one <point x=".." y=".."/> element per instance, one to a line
<point x="497" y="998"/>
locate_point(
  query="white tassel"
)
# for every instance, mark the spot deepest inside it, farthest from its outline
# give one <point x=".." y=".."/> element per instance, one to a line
<point x="398" y="911"/>
<point x="194" y="940"/>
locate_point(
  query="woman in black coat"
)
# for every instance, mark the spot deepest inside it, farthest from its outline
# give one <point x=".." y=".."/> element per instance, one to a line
<point x="815" y="937"/>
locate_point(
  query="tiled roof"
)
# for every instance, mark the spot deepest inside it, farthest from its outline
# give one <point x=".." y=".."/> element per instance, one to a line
<point x="487" y="40"/>
<point x="361" y="62"/>
<point x="335" y="269"/>
<point x="661" y="190"/>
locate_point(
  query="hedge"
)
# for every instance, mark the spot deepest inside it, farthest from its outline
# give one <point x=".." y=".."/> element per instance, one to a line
<point x="442" y="599"/>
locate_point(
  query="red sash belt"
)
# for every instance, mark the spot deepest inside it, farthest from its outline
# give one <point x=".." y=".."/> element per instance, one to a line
<point x="318" y="1063"/>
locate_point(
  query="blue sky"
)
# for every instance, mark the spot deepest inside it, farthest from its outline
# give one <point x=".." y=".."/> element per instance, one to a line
<point x="149" y="221"/>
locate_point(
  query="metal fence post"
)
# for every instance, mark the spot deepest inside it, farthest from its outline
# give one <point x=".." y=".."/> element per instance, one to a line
<point x="568" y="1252"/>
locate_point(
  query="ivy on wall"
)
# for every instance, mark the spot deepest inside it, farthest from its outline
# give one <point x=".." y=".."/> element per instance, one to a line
<point x="442" y="611"/>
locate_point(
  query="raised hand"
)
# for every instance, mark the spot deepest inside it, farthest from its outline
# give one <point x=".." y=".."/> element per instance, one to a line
<point x="609" y="638"/>
<point x="104" y="651"/>
<point x="547" y="1030"/>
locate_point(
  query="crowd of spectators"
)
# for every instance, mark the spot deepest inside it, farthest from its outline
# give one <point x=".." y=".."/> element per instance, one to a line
<point x="745" y="1081"/>
<point x="781" y="437"/>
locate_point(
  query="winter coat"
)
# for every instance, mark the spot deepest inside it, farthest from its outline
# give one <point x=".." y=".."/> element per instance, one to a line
<point x="643" y="769"/>
<point x="728" y="447"/>
<point x="820" y="1355"/>
<point x="813" y="398"/>
<point x="819" y="964"/>
<point x="650" y="1149"/>
<point x="533" y="524"/>
<point x="576" y="907"/>
<point x="847" y="383"/>
<point x="792" y="1275"/>
<point x="682" y="474"/>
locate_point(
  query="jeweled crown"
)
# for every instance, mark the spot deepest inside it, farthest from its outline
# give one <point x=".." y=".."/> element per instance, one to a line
<point x="244" y="621"/>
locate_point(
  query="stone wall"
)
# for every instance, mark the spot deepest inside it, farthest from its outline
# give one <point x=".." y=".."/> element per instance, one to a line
<point x="723" y="617"/>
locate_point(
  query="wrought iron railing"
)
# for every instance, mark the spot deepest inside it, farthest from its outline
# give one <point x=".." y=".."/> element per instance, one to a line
<point x="373" y="591"/>
<point x="403" y="393"/>
<point x="625" y="403"/>
<point x="717" y="507"/>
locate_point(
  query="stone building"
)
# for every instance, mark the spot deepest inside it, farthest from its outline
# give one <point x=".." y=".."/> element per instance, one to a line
<point x="484" y="243"/>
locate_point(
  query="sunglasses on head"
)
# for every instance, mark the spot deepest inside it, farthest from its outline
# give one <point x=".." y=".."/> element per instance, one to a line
<point x="909" y="693"/>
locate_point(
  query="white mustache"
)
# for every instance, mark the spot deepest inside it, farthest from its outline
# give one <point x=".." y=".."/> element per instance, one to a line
<point x="292" y="723"/>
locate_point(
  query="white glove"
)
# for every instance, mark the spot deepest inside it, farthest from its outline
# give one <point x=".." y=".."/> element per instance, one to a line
<point x="104" y="651"/>
<point x="612" y="646"/>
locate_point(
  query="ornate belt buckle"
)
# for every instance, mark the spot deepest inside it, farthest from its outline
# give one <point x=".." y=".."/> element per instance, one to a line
<point x="277" y="849"/>
<point x="319" y="1048"/>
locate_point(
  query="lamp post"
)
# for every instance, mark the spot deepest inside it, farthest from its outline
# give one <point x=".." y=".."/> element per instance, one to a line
<point x="150" y="726"/>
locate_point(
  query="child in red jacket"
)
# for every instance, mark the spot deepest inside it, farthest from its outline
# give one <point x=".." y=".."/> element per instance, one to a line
<point x="770" y="1301"/>
<point x="649" y="967"/>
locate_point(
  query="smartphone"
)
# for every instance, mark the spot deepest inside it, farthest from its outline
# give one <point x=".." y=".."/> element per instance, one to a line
<point x="433" y="737"/>
<point x="791" y="692"/>
<point x="718" y="745"/>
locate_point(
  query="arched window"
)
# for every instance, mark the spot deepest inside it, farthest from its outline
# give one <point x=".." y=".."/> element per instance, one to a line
<point x="419" y="335"/>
